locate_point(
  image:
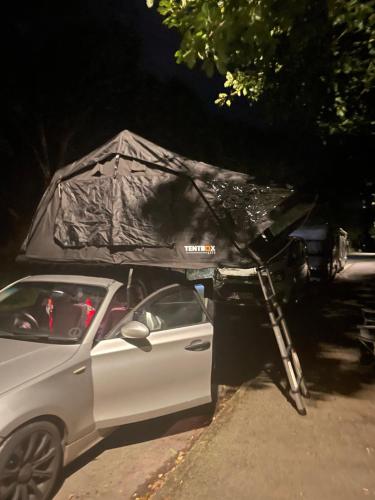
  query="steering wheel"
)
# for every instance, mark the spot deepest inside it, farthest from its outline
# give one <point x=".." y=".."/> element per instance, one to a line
<point x="19" y="320"/>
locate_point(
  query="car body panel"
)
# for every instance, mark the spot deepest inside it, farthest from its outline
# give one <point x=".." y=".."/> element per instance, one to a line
<point x="74" y="279"/>
<point x="137" y="380"/>
<point x="58" y="393"/>
<point x="89" y="388"/>
<point x="22" y="360"/>
<point x="150" y="377"/>
<point x="52" y="388"/>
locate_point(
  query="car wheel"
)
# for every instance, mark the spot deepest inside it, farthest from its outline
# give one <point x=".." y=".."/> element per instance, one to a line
<point x="331" y="271"/>
<point x="30" y="462"/>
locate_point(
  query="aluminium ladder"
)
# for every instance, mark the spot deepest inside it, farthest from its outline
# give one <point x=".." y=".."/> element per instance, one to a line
<point x="288" y="354"/>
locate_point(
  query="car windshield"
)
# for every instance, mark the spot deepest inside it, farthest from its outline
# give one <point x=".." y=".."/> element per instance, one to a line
<point x="47" y="310"/>
<point x="315" y="247"/>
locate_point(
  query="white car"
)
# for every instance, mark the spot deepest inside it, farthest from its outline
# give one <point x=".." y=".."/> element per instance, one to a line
<point x="76" y="362"/>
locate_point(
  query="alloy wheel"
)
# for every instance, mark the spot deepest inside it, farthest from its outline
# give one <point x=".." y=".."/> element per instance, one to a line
<point x="29" y="462"/>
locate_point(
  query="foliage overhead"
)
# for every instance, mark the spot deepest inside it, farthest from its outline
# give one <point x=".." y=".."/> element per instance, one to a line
<point x="309" y="61"/>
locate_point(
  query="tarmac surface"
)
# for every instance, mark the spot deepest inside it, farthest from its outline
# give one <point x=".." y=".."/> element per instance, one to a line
<point x="260" y="448"/>
<point x="256" y="445"/>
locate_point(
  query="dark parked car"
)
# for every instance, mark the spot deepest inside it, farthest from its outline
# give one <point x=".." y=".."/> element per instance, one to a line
<point x="327" y="249"/>
<point x="289" y="270"/>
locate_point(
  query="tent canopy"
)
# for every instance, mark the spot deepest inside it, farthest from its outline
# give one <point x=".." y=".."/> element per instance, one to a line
<point x="133" y="202"/>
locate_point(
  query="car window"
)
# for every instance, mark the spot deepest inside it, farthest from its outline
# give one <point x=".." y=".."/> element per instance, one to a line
<point x="176" y="308"/>
<point x="50" y="309"/>
<point x="315" y="247"/>
<point x="115" y="313"/>
<point x="296" y="252"/>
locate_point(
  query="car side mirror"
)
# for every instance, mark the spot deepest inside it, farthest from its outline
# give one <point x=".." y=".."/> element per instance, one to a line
<point x="134" y="330"/>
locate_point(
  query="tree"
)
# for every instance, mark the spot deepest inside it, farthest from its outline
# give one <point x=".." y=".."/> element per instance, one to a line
<point x="309" y="61"/>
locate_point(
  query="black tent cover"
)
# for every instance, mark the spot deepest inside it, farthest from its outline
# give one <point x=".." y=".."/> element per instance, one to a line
<point x="132" y="202"/>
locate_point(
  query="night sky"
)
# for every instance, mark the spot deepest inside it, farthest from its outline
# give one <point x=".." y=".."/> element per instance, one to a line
<point x="76" y="73"/>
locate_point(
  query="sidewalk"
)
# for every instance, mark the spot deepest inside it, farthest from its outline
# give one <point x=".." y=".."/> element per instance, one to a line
<point x="259" y="448"/>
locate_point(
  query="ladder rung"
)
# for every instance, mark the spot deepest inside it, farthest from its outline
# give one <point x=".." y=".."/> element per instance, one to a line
<point x="295" y="391"/>
<point x="288" y="356"/>
<point x="299" y="381"/>
<point x="277" y="320"/>
<point x="290" y="360"/>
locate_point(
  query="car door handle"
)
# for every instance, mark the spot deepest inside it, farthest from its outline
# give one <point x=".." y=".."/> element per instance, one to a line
<point x="198" y="345"/>
<point x="80" y="370"/>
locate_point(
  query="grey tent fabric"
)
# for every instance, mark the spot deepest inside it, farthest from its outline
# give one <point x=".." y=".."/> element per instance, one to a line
<point x="106" y="211"/>
<point x="133" y="202"/>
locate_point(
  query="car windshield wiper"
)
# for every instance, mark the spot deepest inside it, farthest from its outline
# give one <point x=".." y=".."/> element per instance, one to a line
<point x="39" y="337"/>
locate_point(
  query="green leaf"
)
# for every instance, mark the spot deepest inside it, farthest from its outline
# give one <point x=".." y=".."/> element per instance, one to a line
<point x="302" y="60"/>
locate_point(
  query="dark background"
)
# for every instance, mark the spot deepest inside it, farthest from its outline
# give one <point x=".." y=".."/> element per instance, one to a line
<point x="76" y="73"/>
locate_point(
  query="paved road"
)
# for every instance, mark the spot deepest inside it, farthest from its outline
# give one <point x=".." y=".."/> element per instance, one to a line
<point x="260" y="448"/>
<point x="124" y="465"/>
<point x="132" y="458"/>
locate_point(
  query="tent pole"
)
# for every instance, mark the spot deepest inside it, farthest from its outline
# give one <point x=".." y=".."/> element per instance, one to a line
<point x="129" y="285"/>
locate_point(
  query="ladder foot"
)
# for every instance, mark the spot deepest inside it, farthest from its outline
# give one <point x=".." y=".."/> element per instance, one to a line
<point x="306" y="394"/>
<point x="288" y="355"/>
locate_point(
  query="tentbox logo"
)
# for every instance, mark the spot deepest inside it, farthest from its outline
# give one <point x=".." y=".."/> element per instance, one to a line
<point x="207" y="249"/>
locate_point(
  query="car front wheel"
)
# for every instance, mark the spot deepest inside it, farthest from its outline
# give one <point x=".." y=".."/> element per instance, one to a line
<point x="30" y="462"/>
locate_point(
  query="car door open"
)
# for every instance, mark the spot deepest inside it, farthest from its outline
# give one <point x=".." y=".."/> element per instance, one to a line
<point x="167" y="370"/>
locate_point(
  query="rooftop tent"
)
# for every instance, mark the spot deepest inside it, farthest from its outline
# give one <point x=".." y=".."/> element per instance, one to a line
<point x="133" y="202"/>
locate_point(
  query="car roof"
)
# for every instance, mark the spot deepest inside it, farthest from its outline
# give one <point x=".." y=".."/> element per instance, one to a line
<point x="70" y="278"/>
<point x="312" y="232"/>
